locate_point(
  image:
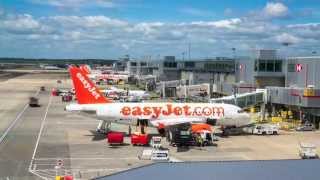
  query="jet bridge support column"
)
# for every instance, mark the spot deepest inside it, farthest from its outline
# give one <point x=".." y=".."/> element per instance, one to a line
<point x="263" y="112"/>
<point x="273" y="112"/>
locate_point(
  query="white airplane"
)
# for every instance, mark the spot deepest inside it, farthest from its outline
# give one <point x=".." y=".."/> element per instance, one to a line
<point x="48" y="67"/>
<point x="160" y="115"/>
<point x="98" y="75"/>
<point x="136" y="93"/>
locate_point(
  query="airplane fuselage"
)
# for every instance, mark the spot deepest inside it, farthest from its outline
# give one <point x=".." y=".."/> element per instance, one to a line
<point x="166" y="113"/>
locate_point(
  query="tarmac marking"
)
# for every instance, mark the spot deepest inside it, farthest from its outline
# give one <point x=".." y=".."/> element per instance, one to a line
<point x="16" y="120"/>
<point x="78" y="123"/>
<point x="173" y="159"/>
<point x="215" y="157"/>
<point x="86" y="170"/>
<point x="40" y="132"/>
<point x="89" y="158"/>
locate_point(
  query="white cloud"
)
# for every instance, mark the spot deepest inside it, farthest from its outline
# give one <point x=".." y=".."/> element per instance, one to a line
<point x="287" y="38"/>
<point x="86" y="21"/>
<point x="97" y="36"/>
<point x="275" y="9"/>
<point x="227" y="23"/>
<point x="20" y="22"/>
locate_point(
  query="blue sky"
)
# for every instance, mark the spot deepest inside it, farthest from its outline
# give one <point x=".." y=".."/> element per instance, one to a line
<point x="113" y="28"/>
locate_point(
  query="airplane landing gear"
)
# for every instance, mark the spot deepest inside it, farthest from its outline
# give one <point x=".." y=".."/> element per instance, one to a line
<point x="103" y="127"/>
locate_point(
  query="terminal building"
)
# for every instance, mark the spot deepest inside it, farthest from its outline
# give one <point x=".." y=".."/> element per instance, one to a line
<point x="174" y="73"/>
<point x="291" y="83"/>
<point x="194" y="71"/>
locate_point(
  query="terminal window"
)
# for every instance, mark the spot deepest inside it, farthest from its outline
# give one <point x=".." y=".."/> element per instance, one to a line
<point x="291" y="67"/>
<point x="170" y="64"/>
<point x="189" y="64"/>
<point x="278" y="66"/>
<point x="270" y="66"/>
<point x="262" y="65"/>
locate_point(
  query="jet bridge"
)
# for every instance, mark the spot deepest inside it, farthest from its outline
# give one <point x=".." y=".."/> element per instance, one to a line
<point x="243" y="100"/>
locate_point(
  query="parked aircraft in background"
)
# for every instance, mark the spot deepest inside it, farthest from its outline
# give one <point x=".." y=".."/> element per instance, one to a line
<point x="104" y="75"/>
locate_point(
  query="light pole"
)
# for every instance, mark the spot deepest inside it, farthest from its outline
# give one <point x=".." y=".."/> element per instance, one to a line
<point x="234" y="59"/>
<point x="183" y="53"/>
<point x="286" y="45"/>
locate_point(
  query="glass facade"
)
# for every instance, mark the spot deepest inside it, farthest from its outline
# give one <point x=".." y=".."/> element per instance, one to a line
<point x="291" y="67"/>
<point x="268" y="65"/>
<point x="219" y="66"/>
<point x="170" y="64"/>
<point x="189" y="64"/>
<point x="278" y="66"/>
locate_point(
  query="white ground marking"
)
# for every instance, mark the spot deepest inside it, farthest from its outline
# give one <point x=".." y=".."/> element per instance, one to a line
<point x="39" y="134"/>
<point x="84" y="158"/>
<point x="16" y="120"/>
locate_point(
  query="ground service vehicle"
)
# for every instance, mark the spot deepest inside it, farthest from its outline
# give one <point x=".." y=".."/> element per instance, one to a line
<point x="139" y="139"/>
<point x="308" y="151"/>
<point x="180" y="135"/>
<point x="204" y="131"/>
<point x="156" y="142"/>
<point x="33" y="102"/>
<point x="306" y="127"/>
<point x="265" y="129"/>
<point x="115" y="138"/>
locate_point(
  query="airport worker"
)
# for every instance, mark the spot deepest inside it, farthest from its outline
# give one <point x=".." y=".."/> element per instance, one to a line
<point x="198" y="139"/>
<point x="129" y="130"/>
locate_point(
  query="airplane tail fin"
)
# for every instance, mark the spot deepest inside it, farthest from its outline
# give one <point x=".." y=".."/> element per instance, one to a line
<point x="85" y="69"/>
<point x="86" y="91"/>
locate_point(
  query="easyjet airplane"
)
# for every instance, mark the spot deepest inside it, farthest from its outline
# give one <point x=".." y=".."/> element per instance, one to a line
<point x="97" y="75"/>
<point x="91" y="100"/>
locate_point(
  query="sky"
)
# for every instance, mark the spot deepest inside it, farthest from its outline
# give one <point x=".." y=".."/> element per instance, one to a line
<point x="152" y="29"/>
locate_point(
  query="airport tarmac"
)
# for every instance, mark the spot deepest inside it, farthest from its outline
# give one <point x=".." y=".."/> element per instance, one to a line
<point x="19" y="124"/>
<point x="71" y="137"/>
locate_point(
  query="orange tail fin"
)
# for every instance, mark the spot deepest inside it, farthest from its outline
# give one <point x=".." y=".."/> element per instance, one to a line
<point x="85" y="69"/>
<point x="86" y="91"/>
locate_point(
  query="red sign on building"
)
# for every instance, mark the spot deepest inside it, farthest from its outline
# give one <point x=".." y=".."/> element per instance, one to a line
<point x="241" y="67"/>
<point x="298" y="67"/>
